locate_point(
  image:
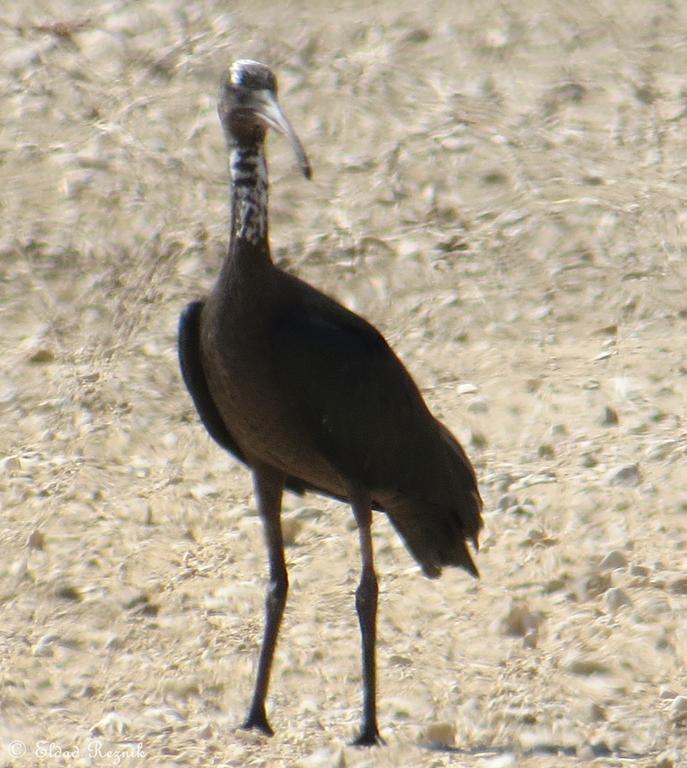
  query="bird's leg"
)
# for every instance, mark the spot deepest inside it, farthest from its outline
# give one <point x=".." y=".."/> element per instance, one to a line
<point x="269" y="484"/>
<point x="366" y="606"/>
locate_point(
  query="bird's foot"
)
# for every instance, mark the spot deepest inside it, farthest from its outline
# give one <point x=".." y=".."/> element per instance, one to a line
<point x="369" y="737"/>
<point x="257" y="721"/>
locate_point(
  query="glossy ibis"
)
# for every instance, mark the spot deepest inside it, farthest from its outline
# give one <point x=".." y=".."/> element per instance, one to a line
<point x="311" y="398"/>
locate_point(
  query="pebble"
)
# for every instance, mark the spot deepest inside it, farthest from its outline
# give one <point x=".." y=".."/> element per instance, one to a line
<point x="507" y="501"/>
<point x="323" y="758"/>
<point x="291" y="527"/>
<point x="670" y="758"/>
<point x="609" y="417"/>
<point x="616" y="598"/>
<point x="44" y="646"/>
<point x="585" y="666"/>
<point x="589" y="460"/>
<point x="307" y="513"/>
<point x="503" y="481"/>
<point x="40" y="354"/>
<point x="627" y="475"/>
<point x="546" y="451"/>
<point x="678" y="710"/>
<point x="439" y="734"/>
<point x="36" y="539"/>
<point x="522" y="510"/>
<point x="111" y="724"/>
<point x="467" y="389"/>
<point x="519" y="620"/>
<point x="201" y="491"/>
<point x="505" y="760"/>
<point x="614" y="559"/>
<point x="478" y="439"/>
<point x="594" y="585"/>
<point x="679" y="585"/>
<point x="182" y="687"/>
<point x="478" y="405"/>
<point x="67" y="592"/>
<point x="21" y="58"/>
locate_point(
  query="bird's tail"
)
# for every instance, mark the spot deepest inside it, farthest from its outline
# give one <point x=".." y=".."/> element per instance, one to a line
<point x="436" y="534"/>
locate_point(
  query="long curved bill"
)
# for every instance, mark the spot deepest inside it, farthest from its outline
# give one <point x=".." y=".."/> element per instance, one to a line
<point x="267" y="108"/>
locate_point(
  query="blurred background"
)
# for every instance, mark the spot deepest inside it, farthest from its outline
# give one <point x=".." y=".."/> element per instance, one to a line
<point x="499" y="188"/>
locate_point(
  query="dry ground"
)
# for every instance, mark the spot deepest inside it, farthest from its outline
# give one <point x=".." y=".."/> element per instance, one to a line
<point x="500" y="188"/>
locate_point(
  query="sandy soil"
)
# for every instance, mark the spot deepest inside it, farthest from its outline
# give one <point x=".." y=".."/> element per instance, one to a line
<point x="501" y="190"/>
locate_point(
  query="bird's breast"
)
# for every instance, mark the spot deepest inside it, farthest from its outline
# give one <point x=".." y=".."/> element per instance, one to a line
<point x="237" y="362"/>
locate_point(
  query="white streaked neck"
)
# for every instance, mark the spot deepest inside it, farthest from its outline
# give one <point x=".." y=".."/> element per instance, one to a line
<point x="249" y="194"/>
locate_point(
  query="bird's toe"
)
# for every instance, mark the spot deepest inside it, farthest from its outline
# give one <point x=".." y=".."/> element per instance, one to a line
<point x="369" y="737"/>
<point x="257" y="721"/>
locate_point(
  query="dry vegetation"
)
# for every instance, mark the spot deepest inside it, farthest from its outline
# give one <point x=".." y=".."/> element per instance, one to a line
<point x="500" y="189"/>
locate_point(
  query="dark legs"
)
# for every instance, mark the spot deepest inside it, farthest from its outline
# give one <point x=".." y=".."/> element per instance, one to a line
<point x="268" y="484"/>
<point x="366" y="606"/>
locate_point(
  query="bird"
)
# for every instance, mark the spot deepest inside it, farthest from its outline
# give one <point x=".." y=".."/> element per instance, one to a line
<point x="311" y="398"/>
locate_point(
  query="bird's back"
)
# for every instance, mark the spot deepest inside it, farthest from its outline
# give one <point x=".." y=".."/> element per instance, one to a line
<point x="368" y="419"/>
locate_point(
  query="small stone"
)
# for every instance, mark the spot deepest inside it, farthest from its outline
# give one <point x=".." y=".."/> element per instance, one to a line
<point x="616" y="598"/>
<point x="596" y="713"/>
<point x="21" y="58"/>
<point x="201" y="491"/>
<point x="628" y="475"/>
<point x="507" y="501"/>
<point x="588" y="460"/>
<point x="467" y="389"/>
<point x="585" y="666"/>
<point x="614" y="559"/>
<point x="11" y="464"/>
<point x="44" y="646"/>
<point x="522" y="510"/>
<point x="519" y="621"/>
<point x="440" y="734"/>
<point x="553" y="585"/>
<point x="307" y="513"/>
<point x="503" y="481"/>
<point x="546" y="451"/>
<point x="594" y="585"/>
<point x="505" y="760"/>
<point x="41" y="354"/>
<point x="114" y="643"/>
<point x="609" y="417"/>
<point x="323" y="758"/>
<point x="67" y="592"/>
<point x="478" y="405"/>
<point x="112" y="724"/>
<point x="669" y="758"/>
<point x="478" y="440"/>
<point x="291" y="527"/>
<point x="183" y="687"/>
<point x="678" y="710"/>
<point x="679" y="585"/>
<point x="36" y="540"/>
<point x="539" y="536"/>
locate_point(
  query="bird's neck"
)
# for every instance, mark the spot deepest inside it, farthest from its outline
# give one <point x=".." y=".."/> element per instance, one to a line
<point x="247" y="266"/>
<point x="249" y="201"/>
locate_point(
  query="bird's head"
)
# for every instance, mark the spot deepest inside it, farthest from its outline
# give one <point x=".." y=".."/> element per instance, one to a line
<point x="248" y="107"/>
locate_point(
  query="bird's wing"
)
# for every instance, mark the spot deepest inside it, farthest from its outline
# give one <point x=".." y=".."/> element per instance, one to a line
<point x="196" y="383"/>
<point x="362" y="408"/>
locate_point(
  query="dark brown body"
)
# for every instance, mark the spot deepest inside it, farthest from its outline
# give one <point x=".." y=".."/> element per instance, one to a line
<point x="311" y="398"/>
